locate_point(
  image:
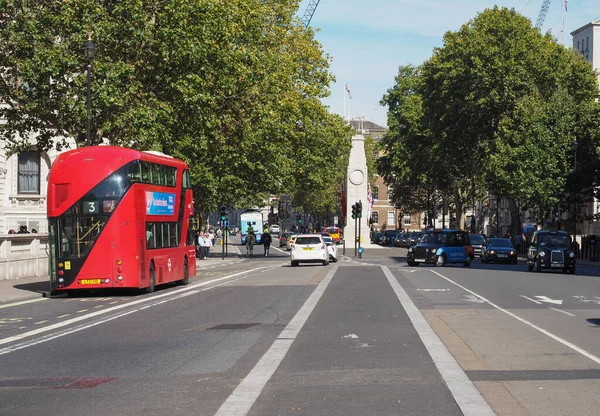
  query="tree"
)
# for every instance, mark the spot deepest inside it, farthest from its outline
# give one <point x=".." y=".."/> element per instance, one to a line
<point x="227" y="86"/>
<point x="477" y="86"/>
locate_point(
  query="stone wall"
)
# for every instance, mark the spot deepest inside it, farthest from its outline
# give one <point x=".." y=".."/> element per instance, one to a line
<point x="23" y="255"/>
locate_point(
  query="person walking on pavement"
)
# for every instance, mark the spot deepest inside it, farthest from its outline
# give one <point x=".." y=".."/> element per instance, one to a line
<point x="266" y="241"/>
<point x="198" y="245"/>
<point x="250" y="241"/>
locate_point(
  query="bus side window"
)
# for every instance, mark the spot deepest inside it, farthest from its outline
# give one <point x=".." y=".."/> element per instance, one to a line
<point x="171" y="175"/>
<point x="150" y="236"/>
<point x="186" y="179"/>
<point x="146" y="172"/>
<point x="134" y="172"/>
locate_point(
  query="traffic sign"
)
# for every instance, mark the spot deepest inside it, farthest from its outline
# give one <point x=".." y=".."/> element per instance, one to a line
<point x="361" y="250"/>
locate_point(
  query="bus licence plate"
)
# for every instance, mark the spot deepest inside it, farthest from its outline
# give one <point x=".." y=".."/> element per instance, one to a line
<point x="90" y="281"/>
<point x="307" y="248"/>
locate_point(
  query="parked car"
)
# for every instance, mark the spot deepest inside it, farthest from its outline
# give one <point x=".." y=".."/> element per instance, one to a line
<point x="551" y="250"/>
<point x="477" y="241"/>
<point x="331" y="247"/>
<point x="440" y="247"/>
<point x="499" y="250"/>
<point x="402" y="240"/>
<point x="309" y="248"/>
<point x="415" y="237"/>
<point x="283" y="239"/>
<point x="389" y="237"/>
<point x="377" y="238"/>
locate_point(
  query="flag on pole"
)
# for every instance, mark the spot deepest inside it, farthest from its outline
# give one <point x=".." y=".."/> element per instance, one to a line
<point x="566" y="4"/>
<point x="347" y="90"/>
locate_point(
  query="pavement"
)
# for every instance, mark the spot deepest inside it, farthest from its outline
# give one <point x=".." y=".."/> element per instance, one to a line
<point x="25" y="288"/>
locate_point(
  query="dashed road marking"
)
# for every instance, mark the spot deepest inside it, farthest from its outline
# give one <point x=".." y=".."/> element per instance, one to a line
<point x="561" y="311"/>
<point x="63" y="316"/>
<point x="21" y="303"/>
<point x="41" y="322"/>
<point x="83" y="310"/>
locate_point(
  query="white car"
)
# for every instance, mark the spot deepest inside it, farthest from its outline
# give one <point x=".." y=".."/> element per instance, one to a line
<point x="309" y="248"/>
<point x="290" y="242"/>
<point x="274" y="229"/>
<point x="333" y="251"/>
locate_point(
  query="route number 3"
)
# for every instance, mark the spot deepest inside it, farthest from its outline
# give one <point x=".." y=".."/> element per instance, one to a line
<point x="91" y="207"/>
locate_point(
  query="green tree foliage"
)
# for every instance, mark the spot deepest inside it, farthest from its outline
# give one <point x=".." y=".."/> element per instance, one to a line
<point x="232" y="87"/>
<point x="495" y="109"/>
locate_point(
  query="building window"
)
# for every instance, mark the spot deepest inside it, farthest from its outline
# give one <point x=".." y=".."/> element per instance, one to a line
<point x="29" y="173"/>
<point x="390" y="193"/>
<point x="407" y="219"/>
<point x="391" y="221"/>
<point x="376" y="192"/>
<point x="375" y="217"/>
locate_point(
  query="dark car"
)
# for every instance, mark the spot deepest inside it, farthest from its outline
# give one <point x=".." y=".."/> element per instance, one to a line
<point x="551" y="250"/>
<point x="415" y="237"/>
<point x="440" y="247"/>
<point x="377" y="238"/>
<point x="499" y="250"/>
<point x="402" y="240"/>
<point x="477" y="241"/>
<point x="389" y="237"/>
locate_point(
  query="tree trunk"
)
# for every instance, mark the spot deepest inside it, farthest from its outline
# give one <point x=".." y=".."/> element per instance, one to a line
<point x="459" y="208"/>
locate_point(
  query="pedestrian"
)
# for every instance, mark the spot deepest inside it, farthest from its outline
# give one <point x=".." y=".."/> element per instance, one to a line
<point x="250" y="241"/>
<point x="517" y="240"/>
<point x="211" y="236"/>
<point x="207" y="245"/>
<point x="197" y="243"/>
<point x="266" y="241"/>
<point x="23" y="230"/>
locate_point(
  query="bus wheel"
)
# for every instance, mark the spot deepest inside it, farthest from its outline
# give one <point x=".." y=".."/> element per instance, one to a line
<point x="186" y="273"/>
<point x="150" y="288"/>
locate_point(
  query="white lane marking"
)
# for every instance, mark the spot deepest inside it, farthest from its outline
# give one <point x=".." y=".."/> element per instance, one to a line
<point x="430" y="290"/>
<point x="526" y="322"/>
<point x="466" y="395"/>
<point x="561" y="311"/>
<point x="278" y="249"/>
<point x="121" y="306"/>
<point x="548" y="300"/>
<point x="64" y="332"/>
<point x="532" y="300"/>
<point x="22" y="302"/>
<point x="245" y="394"/>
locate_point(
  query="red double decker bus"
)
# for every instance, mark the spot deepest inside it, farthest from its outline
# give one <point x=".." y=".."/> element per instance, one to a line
<point x="119" y="218"/>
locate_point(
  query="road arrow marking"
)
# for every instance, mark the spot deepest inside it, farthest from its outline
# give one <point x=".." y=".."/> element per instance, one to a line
<point x="548" y="300"/>
<point x="532" y="300"/>
<point x="473" y="298"/>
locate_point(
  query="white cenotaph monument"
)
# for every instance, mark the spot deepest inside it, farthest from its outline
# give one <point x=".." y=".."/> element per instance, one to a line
<point x="356" y="190"/>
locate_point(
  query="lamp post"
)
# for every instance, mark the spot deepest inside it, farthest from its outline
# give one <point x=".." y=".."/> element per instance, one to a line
<point x="89" y="49"/>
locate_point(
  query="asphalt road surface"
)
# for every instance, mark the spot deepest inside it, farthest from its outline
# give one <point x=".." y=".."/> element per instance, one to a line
<point x="367" y="336"/>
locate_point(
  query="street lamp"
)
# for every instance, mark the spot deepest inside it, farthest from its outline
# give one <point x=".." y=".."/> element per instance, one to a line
<point x="89" y="49"/>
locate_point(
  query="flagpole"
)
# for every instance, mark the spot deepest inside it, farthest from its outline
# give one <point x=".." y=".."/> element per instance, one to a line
<point x="562" y="17"/>
<point x="345" y="119"/>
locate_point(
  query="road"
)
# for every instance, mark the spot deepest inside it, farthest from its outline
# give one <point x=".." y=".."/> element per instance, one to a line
<point x="367" y="336"/>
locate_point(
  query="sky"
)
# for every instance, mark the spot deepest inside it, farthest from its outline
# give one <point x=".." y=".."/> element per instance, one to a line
<point x="368" y="40"/>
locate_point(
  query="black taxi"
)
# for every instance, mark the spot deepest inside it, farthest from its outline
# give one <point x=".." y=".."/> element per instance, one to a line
<point x="551" y="250"/>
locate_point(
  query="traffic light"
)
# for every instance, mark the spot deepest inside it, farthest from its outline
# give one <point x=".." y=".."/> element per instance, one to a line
<point x="359" y="209"/>
<point x="299" y="220"/>
<point x="354" y="211"/>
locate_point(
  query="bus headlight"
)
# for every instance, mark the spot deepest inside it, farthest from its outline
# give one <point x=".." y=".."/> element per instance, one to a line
<point x="119" y="277"/>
